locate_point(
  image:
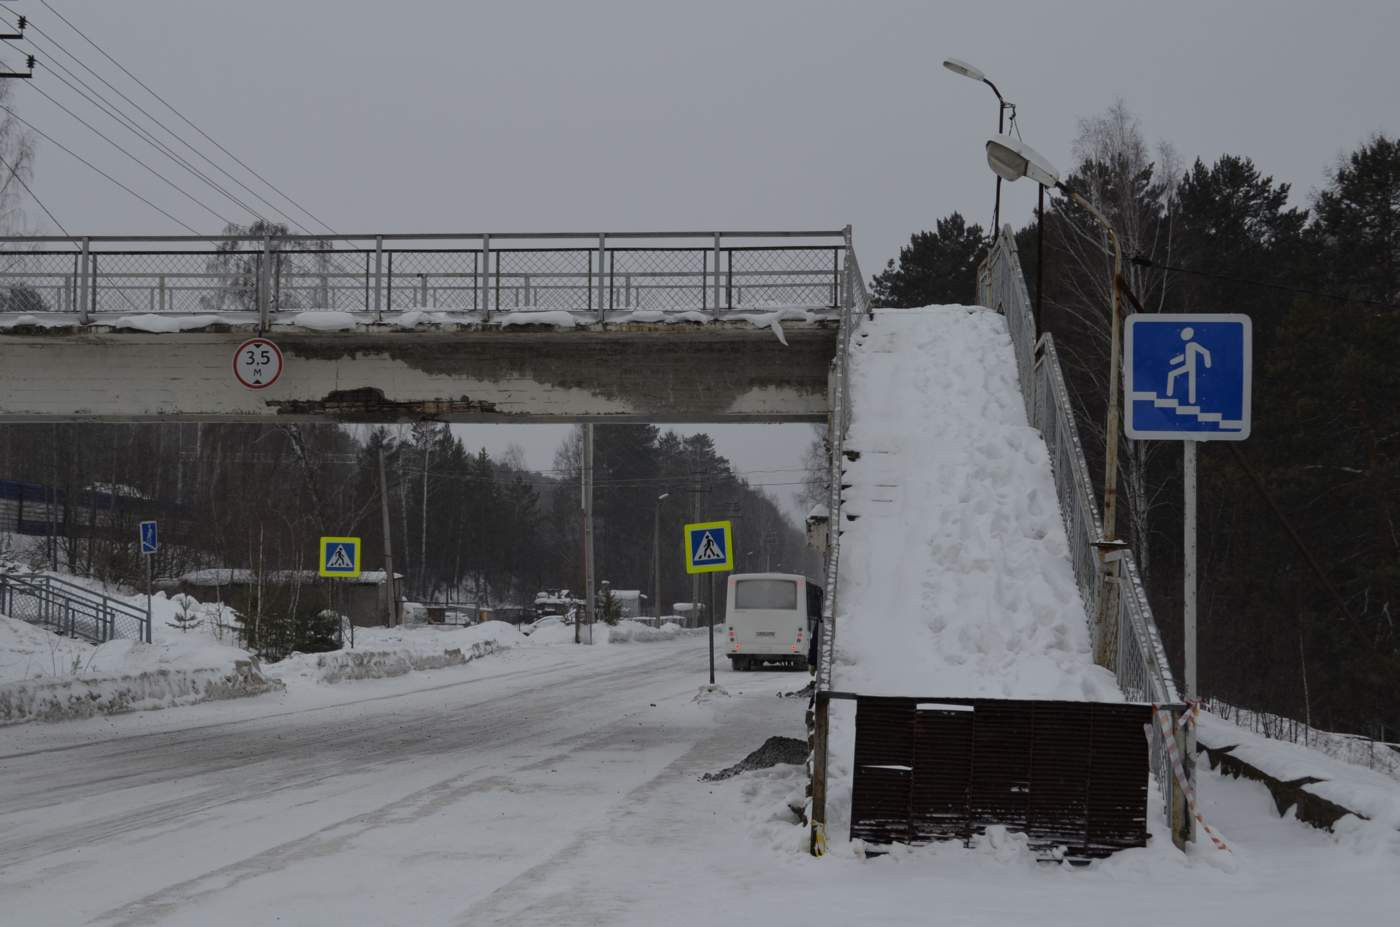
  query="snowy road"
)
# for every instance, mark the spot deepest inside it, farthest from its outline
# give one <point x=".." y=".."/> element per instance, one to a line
<point x="433" y="793"/>
<point x="557" y="786"/>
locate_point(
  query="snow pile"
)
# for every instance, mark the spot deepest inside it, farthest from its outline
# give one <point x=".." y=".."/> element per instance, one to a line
<point x="383" y="652"/>
<point x="553" y="318"/>
<point x="46" y="677"/>
<point x="1361" y="791"/>
<point x="323" y="320"/>
<point x="164" y="324"/>
<point x="955" y="578"/>
<point x="628" y="632"/>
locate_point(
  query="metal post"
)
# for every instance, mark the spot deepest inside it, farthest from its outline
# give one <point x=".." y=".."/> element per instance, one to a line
<point x="264" y="287"/>
<point x="1040" y="262"/>
<point x="1189" y="601"/>
<point x="485" y="277"/>
<point x="423" y="290"/>
<point x="820" y="725"/>
<point x="147" y="558"/>
<point x="712" y="624"/>
<point x="390" y="599"/>
<point x="587" y="529"/>
<point x="656" y="559"/>
<point x="603" y="278"/>
<point x="164" y="298"/>
<point x="1001" y="130"/>
<point x="717" y="300"/>
<point x="379" y="277"/>
<point x="84" y="313"/>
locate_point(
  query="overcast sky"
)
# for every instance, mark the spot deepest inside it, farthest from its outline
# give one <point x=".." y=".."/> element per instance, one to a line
<point x="521" y="116"/>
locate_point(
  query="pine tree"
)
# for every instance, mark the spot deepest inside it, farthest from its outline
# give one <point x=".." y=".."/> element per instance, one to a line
<point x="935" y="267"/>
<point x="186" y="616"/>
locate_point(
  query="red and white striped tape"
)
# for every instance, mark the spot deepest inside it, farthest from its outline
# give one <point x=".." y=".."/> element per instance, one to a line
<point x="1164" y="721"/>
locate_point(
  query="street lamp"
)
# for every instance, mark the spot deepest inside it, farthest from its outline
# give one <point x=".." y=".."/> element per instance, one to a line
<point x="966" y="70"/>
<point x="656" y="551"/>
<point x="1012" y="159"/>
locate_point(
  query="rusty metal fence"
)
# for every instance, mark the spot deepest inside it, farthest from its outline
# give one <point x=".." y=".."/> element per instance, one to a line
<point x="1119" y="615"/>
<point x="667" y="272"/>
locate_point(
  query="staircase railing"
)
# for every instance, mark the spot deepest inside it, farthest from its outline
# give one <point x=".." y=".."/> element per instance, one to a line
<point x="856" y="307"/>
<point x="70" y="609"/>
<point x="1114" y="597"/>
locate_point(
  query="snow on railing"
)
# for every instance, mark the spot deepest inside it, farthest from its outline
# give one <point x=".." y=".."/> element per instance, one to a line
<point x="1356" y="749"/>
<point x="1138" y="657"/>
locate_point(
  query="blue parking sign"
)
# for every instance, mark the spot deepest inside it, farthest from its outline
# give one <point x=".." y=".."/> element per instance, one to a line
<point x="1188" y="377"/>
<point x="148" y="537"/>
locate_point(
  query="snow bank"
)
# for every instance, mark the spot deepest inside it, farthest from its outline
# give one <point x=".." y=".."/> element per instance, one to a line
<point x="161" y="324"/>
<point x="322" y="320"/>
<point x="1360" y="791"/>
<point x="557" y="318"/>
<point x="47" y="677"/>
<point x="955" y="578"/>
<point x="634" y="632"/>
<point x="384" y="652"/>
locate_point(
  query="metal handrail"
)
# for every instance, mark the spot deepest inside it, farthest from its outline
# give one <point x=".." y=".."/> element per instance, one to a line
<point x="264" y="277"/>
<point x="71" y="609"/>
<point x="1139" y="659"/>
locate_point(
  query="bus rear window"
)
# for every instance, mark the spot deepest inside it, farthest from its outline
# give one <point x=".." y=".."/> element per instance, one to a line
<point x="766" y="593"/>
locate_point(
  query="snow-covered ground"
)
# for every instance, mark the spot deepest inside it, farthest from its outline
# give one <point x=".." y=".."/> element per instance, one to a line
<point x="559" y="785"/>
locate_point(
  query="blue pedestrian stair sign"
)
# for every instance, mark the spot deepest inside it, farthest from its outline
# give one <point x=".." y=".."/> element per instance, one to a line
<point x="1188" y="377"/>
<point x="340" y="557"/>
<point x="709" y="547"/>
<point x="148" y="537"/>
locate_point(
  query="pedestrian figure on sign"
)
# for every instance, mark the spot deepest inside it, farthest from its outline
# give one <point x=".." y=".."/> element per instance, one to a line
<point x="708" y="550"/>
<point x="1185" y="362"/>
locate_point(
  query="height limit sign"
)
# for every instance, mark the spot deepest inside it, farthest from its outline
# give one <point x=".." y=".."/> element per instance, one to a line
<point x="257" y="363"/>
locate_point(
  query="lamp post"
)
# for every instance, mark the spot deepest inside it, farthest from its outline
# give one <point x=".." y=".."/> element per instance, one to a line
<point x="1013" y="159"/>
<point x="656" y="552"/>
<point x="966" y="70"/>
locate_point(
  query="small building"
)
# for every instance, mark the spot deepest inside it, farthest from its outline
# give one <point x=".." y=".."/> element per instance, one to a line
<point x="692" y="614"/>
<point x="631" y="602"/>
<point x="362" y="599"/>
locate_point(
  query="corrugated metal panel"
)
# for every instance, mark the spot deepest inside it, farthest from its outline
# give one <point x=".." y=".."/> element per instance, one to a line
<point x="1067" y="774"/>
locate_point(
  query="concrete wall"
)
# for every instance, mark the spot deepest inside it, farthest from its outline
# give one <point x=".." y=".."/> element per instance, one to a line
<point x="720" y="371"/>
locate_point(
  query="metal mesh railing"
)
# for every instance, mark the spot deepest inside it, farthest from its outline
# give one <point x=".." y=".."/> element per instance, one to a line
<point x="70" y="609"/>
<point x="758" y="278"/>
<point x="714" y="272"/>
<point x="1139" y="658"/>
<point x="660" y="279"/>
<point x="433" y="278"/>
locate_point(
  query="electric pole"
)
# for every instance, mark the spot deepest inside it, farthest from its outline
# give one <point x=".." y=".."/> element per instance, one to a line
<point x="391" y="599"/>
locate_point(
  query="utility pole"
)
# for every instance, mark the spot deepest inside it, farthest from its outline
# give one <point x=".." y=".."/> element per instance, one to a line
<point x="423" y="535"/>
<point x="391" y="599"/>
<point x="587" y="531"/>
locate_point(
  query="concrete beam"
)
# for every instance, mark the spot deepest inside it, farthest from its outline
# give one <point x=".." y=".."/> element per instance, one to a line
<point x="715" y="372"/>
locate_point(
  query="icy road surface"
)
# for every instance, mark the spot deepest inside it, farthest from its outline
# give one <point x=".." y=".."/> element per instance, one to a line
<point x="541" y="787"/>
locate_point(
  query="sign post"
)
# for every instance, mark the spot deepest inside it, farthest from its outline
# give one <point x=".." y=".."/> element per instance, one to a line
<point x="149" y="546"/>
<point x="1188" y="378"/>
<point x="709" y="548"/>
<point x="340" y="559"/>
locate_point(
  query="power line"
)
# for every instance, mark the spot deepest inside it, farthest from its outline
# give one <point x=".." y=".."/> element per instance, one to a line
<point x="149" y="138"/>
<point x="184" y="118"/>
<point x="14" y="172"/>
<point x="1142" y="260"/>
<point x="100" y="134"/>
<point x="171" y="132"/>
<point x="44" y="135"/>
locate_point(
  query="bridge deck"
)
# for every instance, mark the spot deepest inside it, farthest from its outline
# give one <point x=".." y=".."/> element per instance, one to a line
<point x="340" y="366"/>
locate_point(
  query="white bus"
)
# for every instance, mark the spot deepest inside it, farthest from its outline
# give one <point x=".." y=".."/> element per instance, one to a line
<point x="771" y="618"/>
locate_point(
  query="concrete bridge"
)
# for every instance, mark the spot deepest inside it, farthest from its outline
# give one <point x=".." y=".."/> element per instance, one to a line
<point x="659" y="327"/>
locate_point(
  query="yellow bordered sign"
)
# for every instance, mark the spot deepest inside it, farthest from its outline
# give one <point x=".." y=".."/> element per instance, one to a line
<point x="340" y="557"/>
<point x="709" y="547"/>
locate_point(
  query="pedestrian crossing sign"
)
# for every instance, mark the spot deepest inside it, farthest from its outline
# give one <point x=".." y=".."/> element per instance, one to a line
<point x="709" y="547"/>
<point x="340" y="557"/>
<point x="1187" y="377"/>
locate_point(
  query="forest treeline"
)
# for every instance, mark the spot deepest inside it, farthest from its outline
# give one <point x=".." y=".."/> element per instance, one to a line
<point x="1320" y="278"/>
<point x="464" y="526"/>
